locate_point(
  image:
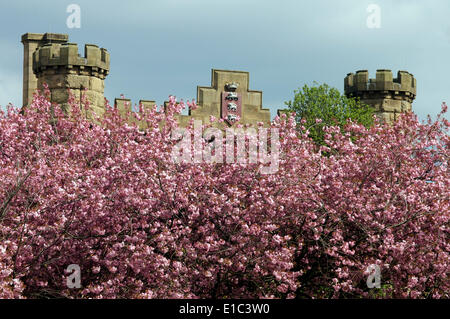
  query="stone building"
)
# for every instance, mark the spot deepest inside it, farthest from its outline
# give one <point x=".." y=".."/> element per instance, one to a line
<point x="228" y="97"/>
<point x="50" y="58"/>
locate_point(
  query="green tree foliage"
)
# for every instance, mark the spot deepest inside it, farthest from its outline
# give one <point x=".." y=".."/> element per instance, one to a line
<point x="321" y="105"/>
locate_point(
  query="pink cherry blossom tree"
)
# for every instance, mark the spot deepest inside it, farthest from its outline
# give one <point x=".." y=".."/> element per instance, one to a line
<point x="106" y="195"/>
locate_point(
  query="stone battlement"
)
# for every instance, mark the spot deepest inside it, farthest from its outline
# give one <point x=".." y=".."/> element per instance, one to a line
<point x="359" y="84"/>
<point x="45" y="38"/>
<point x="388" y="96"/>
<point x="65" y="58"/>
<point x="125" y="105"/>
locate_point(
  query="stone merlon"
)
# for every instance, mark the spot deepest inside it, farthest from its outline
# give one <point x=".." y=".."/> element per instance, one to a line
<point x="404" y="83"/>
<point x="66" y="55"/>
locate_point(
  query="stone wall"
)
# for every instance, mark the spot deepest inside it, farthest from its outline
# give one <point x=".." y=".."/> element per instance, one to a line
<point x="212" y="100"/>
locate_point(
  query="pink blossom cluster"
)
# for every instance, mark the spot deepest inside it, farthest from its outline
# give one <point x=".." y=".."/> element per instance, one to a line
<point x="105" y="195"/>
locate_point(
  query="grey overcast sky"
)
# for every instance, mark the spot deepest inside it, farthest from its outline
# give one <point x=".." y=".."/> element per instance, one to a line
<point x="163" y="47"/>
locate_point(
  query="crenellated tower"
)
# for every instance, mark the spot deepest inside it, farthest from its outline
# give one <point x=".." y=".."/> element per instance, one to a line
<point x="56" y="62"/>
<point x="62" y="68"/>
<point x="387" y="95"/>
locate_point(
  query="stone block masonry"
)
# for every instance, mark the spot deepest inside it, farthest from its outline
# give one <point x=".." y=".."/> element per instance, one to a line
<point x="31" y="41"/>
<point x="387" y="95"/>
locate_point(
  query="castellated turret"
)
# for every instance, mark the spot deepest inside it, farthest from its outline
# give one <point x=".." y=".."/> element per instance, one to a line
<point x="60" y="66"/>
<point x="387" y="95"/>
